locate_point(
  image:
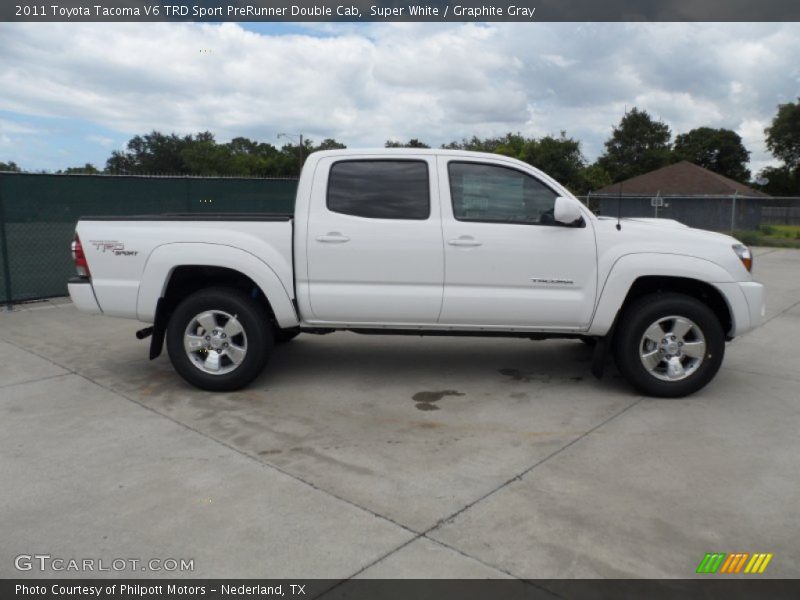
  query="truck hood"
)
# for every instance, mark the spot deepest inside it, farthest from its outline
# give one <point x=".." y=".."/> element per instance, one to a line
<point x="667" y="236"/>
<point x="655" y="221"/>
<point x="659" y="227"/>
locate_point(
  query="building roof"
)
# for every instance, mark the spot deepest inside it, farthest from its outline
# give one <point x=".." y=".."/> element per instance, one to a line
<point x="680" y="179"/>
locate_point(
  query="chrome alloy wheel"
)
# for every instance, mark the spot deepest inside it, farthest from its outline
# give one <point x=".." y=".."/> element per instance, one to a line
<point x="215" y="342"/>
<point x="672" y="348"/>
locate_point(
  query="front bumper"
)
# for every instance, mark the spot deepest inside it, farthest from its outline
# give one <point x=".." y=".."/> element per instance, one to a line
<point x="746" y="302"/>
<point x="756" y="302"/>
<point x="82" y="295"/>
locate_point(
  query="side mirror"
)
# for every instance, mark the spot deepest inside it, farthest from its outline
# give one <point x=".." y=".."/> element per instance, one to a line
<point x="566" y="211"/>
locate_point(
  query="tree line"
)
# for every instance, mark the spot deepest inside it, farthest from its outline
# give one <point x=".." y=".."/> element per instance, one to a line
<point x="637" y="145"/>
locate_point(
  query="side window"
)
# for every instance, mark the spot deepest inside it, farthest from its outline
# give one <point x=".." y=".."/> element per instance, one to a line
<point x="499" y="194"/>
<point x="380" y="189"/>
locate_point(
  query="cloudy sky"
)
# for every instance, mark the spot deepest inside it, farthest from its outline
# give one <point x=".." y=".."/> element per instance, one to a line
<point x="71" y="93"/>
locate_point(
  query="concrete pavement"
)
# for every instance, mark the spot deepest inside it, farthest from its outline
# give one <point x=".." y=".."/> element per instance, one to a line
<point x="369" y="456"/>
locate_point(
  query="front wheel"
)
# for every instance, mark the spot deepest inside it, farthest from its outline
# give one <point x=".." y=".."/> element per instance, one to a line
<point x="219" y="339"/>
<point x="669" y="345"/>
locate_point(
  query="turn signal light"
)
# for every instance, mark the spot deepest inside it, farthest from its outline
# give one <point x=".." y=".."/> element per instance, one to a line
<point x="744" y="254"/>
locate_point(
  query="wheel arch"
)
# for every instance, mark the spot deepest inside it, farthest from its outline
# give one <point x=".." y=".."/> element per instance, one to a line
<point x="695" y="288"/>
<point x="185" y="280"/>
<point x="188" y="279"/>
<point x="636" y="275"/>
<point x="173" y="271"/>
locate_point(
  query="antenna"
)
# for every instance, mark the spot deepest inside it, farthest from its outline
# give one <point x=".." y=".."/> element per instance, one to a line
<point x="619" y="207"/>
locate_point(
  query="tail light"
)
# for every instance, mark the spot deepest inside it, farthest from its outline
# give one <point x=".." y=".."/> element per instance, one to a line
<point x="81" y="266"/>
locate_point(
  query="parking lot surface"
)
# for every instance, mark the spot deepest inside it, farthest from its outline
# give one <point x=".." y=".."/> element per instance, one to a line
<point x="373" y="456"/>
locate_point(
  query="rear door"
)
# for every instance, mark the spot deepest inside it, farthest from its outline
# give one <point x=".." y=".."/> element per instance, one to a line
<point x="507" y="262"/>
<point x="374" y="245"/>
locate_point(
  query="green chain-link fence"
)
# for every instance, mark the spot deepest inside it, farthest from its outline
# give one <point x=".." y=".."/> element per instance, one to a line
<point x="38" y="215"/>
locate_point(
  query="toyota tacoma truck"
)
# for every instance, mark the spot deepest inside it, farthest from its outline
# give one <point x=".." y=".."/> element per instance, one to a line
<point x="422" y="242"/>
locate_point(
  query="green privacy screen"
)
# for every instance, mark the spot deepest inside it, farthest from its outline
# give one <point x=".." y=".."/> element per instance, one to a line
<point x="38" y="215"/>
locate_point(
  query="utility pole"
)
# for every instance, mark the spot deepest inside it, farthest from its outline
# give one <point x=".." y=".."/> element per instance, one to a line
<point x="300" y="148"/>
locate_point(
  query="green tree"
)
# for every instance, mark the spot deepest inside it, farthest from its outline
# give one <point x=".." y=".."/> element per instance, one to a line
<point x="783" y="135"/>
<point x="10" y="166"/>
<point x="780" y="181"/>
<point x="638" y="144"/>
<point x="511" y="144"/>
<point x="593" y="177"/>
<point x="202" y="155"/>
<point x="120" y="163"/>
<point x="474" y="144"/>
<point x="719" y="150"/>
<point x="329" y="144"/>
<point x="153" y="153"/>
<point x="412" y="143"/>
<point x="560" y="157"/>
<point x="257" y="159"/>
<point x="297" y="156"/>
<point x="87" y="169"/>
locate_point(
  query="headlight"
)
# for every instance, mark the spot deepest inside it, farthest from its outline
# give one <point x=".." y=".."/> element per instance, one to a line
<point x="744" y="254"/>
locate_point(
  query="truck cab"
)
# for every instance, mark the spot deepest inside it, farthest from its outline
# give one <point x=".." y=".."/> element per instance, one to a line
<point x="442" y="240"/>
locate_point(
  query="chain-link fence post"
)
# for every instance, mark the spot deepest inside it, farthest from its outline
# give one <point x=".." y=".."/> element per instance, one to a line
<point x="4" y="252"/>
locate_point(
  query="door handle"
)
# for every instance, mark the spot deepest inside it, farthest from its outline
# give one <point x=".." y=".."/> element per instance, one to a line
<point x="333" y="237"/>
<point x="465" y="241"/>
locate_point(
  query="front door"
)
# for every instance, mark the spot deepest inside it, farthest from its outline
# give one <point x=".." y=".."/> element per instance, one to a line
<point x="507" y="262"/>
<point x="374" y="242"/>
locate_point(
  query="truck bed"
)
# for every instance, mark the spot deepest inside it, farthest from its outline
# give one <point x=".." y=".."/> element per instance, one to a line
<point x="127" y="254"/>
<point x="196" y="217"/>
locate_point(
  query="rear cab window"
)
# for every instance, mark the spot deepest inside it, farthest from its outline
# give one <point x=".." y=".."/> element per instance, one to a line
<point x="380" y="189"/>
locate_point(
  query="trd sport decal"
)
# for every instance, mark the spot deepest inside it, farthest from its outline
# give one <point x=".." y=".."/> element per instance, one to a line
<point x="117" y="248"/>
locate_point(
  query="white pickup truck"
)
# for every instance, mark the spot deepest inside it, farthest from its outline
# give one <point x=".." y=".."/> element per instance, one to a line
<point x="424" y="242"/>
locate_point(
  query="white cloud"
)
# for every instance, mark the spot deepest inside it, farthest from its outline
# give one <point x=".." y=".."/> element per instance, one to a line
<point x="101" y="140"/>
<point x="436" y="82"/>
<point x="559" y="60"/>
<point x="7" y="126"/>
<point x="752" y="133"/>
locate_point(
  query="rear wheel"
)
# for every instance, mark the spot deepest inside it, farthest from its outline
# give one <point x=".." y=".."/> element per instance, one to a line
<point x="669" y="345"/>
<point x="219" y="339"/>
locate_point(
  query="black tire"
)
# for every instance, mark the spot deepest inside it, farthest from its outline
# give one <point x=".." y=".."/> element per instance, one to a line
<point x="254" y="323"/>
<point x="628" y="342"/>
<point x="285" y="335"/>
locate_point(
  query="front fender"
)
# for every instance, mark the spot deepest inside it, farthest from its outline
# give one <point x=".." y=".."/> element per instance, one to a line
<point x="630" y="267"/>
<point x="166" y="258"/>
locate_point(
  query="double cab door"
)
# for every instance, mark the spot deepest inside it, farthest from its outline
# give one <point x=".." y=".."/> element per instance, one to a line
<point x="445" y="240"/>
<point x="374" y="245"/>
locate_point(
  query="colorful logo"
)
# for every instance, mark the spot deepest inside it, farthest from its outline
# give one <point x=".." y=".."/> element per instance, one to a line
<point x="736" y="562"/>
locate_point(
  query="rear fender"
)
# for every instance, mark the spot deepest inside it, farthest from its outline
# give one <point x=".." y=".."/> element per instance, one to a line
<point x="166" y="258"/>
